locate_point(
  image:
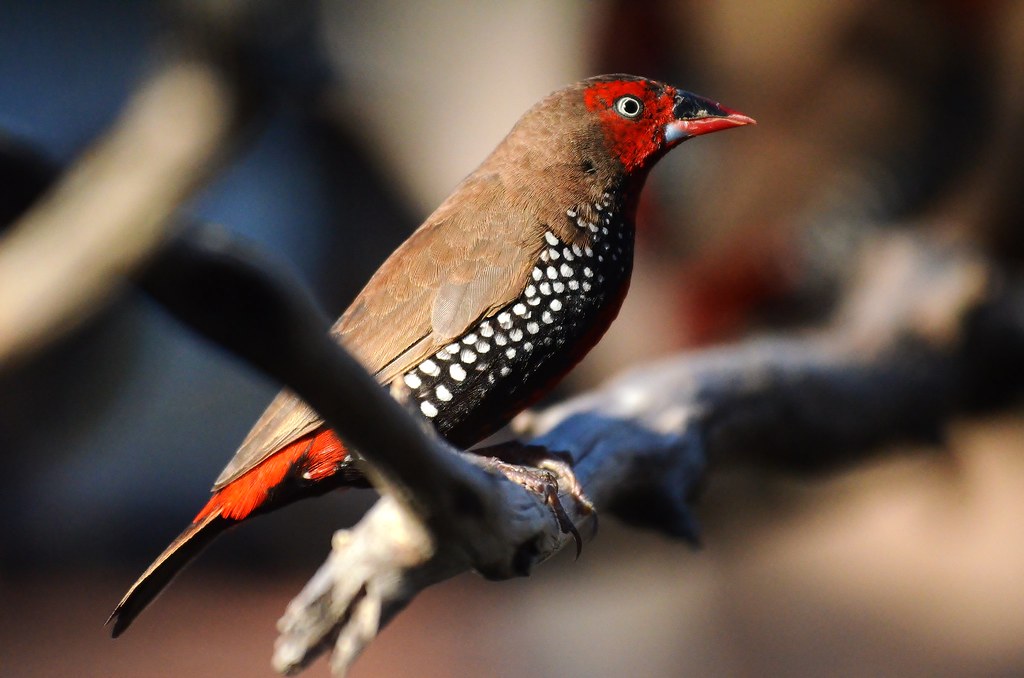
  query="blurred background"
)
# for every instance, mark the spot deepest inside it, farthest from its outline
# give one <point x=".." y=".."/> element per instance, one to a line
<point x="873" y="117"/>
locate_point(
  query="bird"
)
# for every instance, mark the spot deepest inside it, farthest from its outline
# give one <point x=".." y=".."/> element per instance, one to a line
<point x="489" y="303"/>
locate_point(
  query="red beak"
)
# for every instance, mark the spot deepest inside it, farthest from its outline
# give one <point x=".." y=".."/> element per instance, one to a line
<point x="696" y="115"/>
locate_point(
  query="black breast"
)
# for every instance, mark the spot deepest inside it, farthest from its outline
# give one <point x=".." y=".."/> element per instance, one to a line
<point x="473" y="386"/>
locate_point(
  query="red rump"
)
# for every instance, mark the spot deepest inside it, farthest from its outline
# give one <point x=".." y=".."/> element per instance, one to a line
<point x="314" y="457"/>
<point x="639" y="141"/>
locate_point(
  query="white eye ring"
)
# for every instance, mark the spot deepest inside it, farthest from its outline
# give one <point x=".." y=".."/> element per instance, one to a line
<point x="629" y="107"/>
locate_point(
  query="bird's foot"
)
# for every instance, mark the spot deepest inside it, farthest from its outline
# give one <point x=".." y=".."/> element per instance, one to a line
<point x="543" y="472"/>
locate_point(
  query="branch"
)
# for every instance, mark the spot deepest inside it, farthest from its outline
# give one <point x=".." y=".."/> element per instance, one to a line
<point x="637" y="447"/>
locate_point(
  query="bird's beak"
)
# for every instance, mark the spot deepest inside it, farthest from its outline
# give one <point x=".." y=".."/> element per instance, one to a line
<point x="695" y="115"/>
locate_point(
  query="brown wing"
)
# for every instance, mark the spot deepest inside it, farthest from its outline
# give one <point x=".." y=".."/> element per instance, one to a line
<point x="285" y="419"/>
<point x="452" y="271"/>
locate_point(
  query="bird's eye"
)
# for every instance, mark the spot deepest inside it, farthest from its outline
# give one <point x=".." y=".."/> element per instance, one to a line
<point x="629" y="107"/>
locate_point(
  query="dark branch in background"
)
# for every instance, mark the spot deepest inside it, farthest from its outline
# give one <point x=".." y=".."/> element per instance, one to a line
<point x="112" y="209"/>
<point x="115" y="206"/>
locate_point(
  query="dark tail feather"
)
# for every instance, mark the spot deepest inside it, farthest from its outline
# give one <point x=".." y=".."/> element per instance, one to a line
<point x="158" y="575"/>
<point x="309" y="466"/>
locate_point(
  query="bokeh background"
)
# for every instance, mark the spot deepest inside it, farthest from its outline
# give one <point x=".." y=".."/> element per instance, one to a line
<point x="873" y="116"/>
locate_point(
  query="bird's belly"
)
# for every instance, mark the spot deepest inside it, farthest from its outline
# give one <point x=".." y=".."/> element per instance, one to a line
<point x="473" y="386"/>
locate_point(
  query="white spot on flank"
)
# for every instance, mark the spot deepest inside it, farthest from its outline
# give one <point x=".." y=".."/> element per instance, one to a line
<point x="443" y="393"/>
<point x="516" y="334"/>
<point x="430" y="368"/>
<point x="559" y="287"/>
<point x="537" y="274"/>
<point x="533" y="301"/>
<point x="547" y="317"/>
<point x="510" y="352"/>
<point x="527" y="346"/>
<point x="531" y="290"/>
<point x="587" y="272"/>
<point x="604" y="230"/>
<point x="457" y="372"/>
<point x="589" y="251"/>
<point x="413" y="381"/>
<point x="566" y="270"/>
<point x="574" y="285"/>
<point x="586" y="286"/>
<point x="592" y="227"/>
<point x="532" y="328"/>
<point x="576" y="250"/>
<point x="482" y="347"/>
<point x="545" y="288"/>
<point x="519" y="309"/>
<point x="452" y="348"/>
<point x="567" y="253"/>
<point x="570" y="213"/>
<point x="427" y="408"/>
<point x="556" y="305"/>
<point x="505" y="371"/>
<point x="550" y="237"/>
<point x="505" y="320"/>
<point x="500" y="339"/>
<point x="467" y="356"/>
<point x="553" y="254"/>
<point x="552" y="273"/>
<point x="486" y="330"/>
<point x="470" y="339"/>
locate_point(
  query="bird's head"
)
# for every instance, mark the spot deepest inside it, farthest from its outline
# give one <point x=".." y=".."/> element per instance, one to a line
<point x="611" y="127"/>
<point x="641" y="119"/>
<point x="600" y="135"/>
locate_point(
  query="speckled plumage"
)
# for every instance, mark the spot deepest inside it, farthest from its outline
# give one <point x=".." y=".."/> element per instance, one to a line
<point x="502" y="362"/>
<point x="486" y="305"/>
<point x="474" y="254"/>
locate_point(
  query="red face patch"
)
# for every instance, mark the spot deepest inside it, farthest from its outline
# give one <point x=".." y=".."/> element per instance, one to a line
<point x="634" y="139"/>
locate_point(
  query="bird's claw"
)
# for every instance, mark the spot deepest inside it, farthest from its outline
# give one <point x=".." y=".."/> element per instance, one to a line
<point x="565" y="523"/>
<point x="544" y="472"/>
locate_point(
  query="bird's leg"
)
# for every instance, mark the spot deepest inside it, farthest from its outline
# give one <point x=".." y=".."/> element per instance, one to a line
<point x="538" y="456"/>
<point x="543" y="472"/>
